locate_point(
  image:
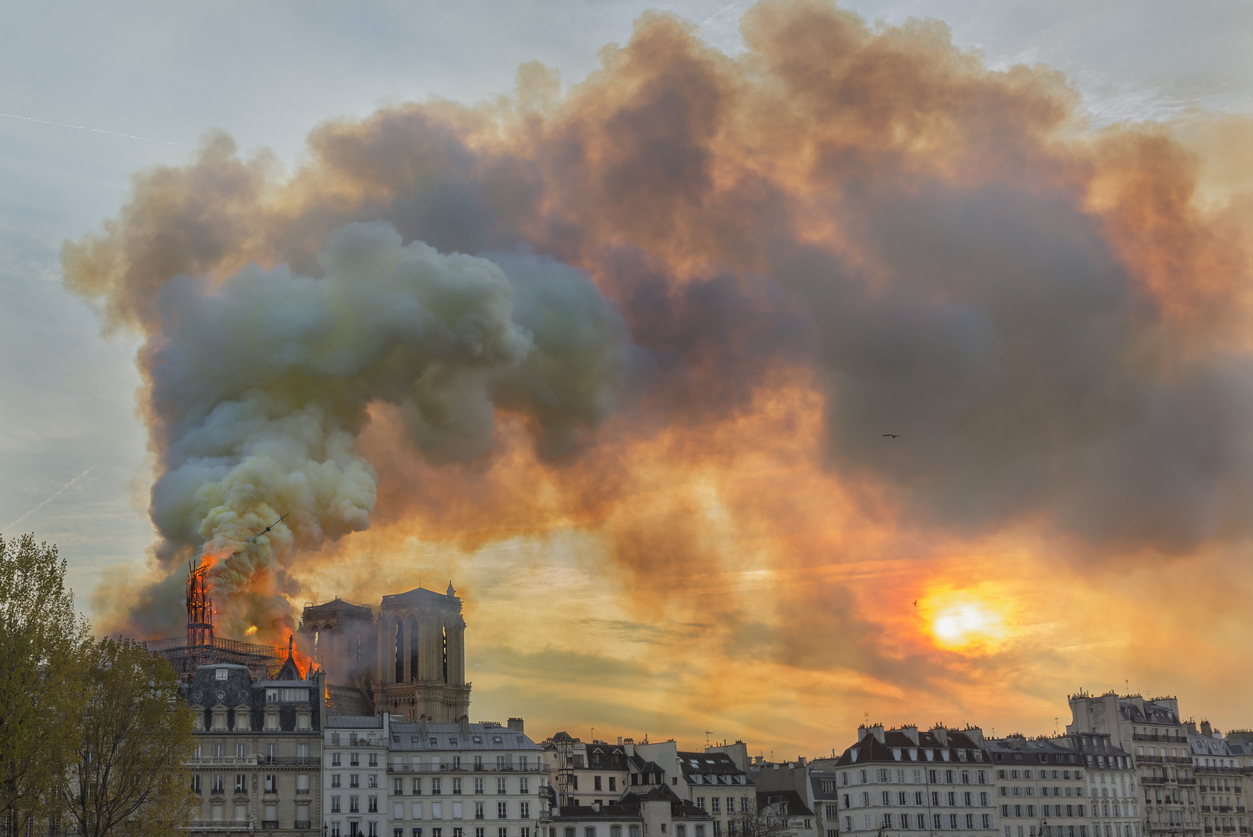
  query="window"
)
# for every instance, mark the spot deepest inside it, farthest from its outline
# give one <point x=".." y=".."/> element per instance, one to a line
<point x="241" y="783"/>
<point x="478" y="785"/>
<point x="354" y="780"/>
<point x="373" y="802"/>
<point x="221" y="674"/>
<point x="217" y="783"/>
<point x="613" y="786"/>
<point x="526" y="811"/>
<point x="335" y="760"/>
<point x="500" y="785"/>
<point x="524" y="785"/>
<point x="502" y="810"/>
<point x="456" y="787"/>
<point x="374" y="759"/>
<point x="354" y="805"/>
<point x="417" y="787"/>
<point x="435" y="787"/>
<point x="334" y="804"/>
<point x="700" y="802"/>
<point x="478" y="810"/>
<point x="596" y="783"/>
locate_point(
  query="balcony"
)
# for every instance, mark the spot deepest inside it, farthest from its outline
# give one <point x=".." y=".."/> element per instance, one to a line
<point x="224" y="761"/>
<point x="1169" y="739"/>
<point x="448" y="768"/>
<point x="1187" y="781"/>
<point x="269" y="825"/>
<point x="220" y="825"/>
<point x="300" y="792"/>
<point x="303" y="824"/>
<point x="1205" y="809"/>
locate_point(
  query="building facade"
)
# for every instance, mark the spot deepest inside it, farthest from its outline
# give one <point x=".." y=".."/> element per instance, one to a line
<point x="465" y="780"/>
<point x="1216" y="765"/>
<point x="257" y="766"/>
<point x="408" y="661"/>
<point x="354" y="775"/>
<point x="1150" y="730"/>
<point x="713" y="781"/>
<point x="903" y="780"/>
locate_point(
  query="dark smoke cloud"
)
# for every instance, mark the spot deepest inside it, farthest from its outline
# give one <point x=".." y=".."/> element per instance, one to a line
<point x="934" y="249"/>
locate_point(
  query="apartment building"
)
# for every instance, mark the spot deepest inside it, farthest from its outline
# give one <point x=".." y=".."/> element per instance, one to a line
<point x="1114" y="797"/>
<point x="1150" y="730"/>
<point x="257" y="766"/>
<point x="465" y="780"/>
<point x="817" y="788"/>
<point x="909" y="780"/>
<point x="354" y="775"/>
<point x="587" y="773"/>
<point x="713" y="781"/>
<point x="1216" y="763"/>
<point x="785" y="813"/>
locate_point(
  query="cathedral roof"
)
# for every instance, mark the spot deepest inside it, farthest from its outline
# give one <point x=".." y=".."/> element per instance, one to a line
<point x="422" y="596"/>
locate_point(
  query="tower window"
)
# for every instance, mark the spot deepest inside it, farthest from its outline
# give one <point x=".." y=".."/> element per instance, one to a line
<point x="400" y="652"/>
<point x="445" y="633"/>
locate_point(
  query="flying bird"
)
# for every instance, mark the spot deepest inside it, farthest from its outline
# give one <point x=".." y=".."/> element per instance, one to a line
<point x="915" y="602"/>
<point x="893" y="435"/>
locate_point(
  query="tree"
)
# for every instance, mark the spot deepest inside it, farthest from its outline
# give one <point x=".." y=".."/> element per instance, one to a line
<point x="42" y="648"/>
<point x="131" y="775"/>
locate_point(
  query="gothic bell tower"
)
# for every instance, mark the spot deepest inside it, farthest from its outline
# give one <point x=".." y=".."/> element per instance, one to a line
<point x="421" y="654"/>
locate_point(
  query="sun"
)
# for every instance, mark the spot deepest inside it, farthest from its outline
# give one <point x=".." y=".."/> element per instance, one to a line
<point x="963" y="620"/>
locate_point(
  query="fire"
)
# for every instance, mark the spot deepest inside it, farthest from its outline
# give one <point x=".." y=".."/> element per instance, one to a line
<point x="252" y="630"/>
<point x="303" y="661"/>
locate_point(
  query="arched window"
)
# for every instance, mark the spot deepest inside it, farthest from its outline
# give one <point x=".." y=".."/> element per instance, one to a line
<point x="400" y="652"/>
<point x="415" y="673"/>
<point x="445" y="631"/>
<point x="616" y="831"/>
<point x="590" y="831"/>
<point x="569" y="832"/>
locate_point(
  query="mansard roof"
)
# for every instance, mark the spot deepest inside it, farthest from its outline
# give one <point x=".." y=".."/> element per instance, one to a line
<point x="416" y="736"/>
<point x="707" y="764"/>
<point x="796" y="806"/>
<point x="897" y="746"/>
<point x="1150" y="713"/>
<point x="421" y="596"/>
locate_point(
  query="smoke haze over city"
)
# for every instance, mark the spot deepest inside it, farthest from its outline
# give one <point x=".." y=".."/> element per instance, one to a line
<point x="741" y="389"/>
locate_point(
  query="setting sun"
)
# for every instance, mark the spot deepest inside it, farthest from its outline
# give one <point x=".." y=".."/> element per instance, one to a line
<point x="964" y="620"/>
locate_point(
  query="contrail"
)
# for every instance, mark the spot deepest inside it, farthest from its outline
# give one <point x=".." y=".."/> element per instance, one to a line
<point x="718" y="14"/>
<point x="47" y="501"/>
<point x="96" y="130"/>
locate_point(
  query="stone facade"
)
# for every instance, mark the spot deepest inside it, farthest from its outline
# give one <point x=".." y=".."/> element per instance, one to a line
<point x="257" y="764"/>
<point x="1150" y="730"/>
<point x="905" y="780"/>
<point x="408" y="661"/>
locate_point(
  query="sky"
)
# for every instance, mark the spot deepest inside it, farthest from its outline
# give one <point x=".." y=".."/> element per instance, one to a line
<point x="711" y="266"/>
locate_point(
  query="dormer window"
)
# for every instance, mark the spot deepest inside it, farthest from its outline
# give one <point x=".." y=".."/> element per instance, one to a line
<point x="221" y="674"/>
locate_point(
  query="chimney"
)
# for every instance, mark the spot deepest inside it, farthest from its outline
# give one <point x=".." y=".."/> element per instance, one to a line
<point x="940" y="734"/>
<point x="975" y="734"/>
<point x="1206" y="729"/>
<point x="877" y="731"/>
<point x="465" y="725"/>
<point x="800" y="761"/>
<point x="515" y="724"/>
<point x="911" y="732"/>
<point x="861" y="733"/>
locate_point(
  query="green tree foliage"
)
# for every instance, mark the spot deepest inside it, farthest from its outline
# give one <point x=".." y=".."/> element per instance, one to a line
<point x="43" y="644"/>
<point x="135" y="739"/>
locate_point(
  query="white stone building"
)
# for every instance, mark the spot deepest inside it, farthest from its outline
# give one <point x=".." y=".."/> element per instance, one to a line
<point x="354" y="775"/>
<point x="892" y="782"/>
<point x="465" y="780"/>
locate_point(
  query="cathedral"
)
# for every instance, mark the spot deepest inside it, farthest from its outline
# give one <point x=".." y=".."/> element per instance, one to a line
<point x="408" y="660"/>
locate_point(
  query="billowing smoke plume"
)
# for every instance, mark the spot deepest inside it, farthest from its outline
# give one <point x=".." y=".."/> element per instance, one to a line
<point x="860" y="230"/>
<point x="259" y="385"/>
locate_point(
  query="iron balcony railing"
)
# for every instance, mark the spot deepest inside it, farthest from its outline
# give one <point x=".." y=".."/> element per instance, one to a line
<point x="467" y="768"/>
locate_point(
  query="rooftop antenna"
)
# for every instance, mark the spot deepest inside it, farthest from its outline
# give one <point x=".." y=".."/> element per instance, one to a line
<point x="707" y="734"/>
<point x="1055" y="726"/>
